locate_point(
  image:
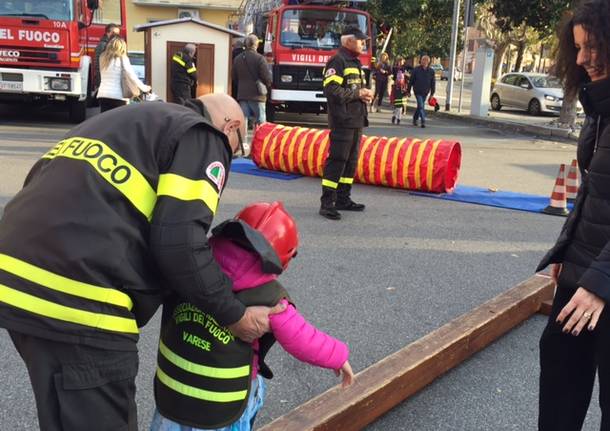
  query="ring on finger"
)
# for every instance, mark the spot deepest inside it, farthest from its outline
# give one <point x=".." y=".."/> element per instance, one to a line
<point x="586" y="315"/>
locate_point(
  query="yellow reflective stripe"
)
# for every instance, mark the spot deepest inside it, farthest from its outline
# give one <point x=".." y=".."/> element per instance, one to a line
<point x="264" y="151"/>
<point x="329" y="183"/>
<point x="202" y="370"/>
<point x="431" y="159"/>
<point x="351" y="71"/>
<point x="186" y="189"/>
<point x="333" y="78"/>
<point x="62" y="284"/>
<point x="384" y="160"/>
<point x="344" y="180"/>
<point x="179" y="60"/>
<point x="191" y="70"/>
<point x="420" y="154"/>
<point x="113" y="168"/>
<point x="201" y="394"/>
<point x="50" y="309"/>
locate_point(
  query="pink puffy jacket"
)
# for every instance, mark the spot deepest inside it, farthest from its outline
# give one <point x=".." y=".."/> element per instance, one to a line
<point x="297" y="336"/>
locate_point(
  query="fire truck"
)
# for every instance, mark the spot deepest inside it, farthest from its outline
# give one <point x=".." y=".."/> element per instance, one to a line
<point x="300" y="36"/>
<point x="47" y="48"/>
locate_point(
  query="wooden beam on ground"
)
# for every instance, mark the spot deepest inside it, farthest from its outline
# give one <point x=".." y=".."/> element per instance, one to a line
<point x="397" y="377"/>
<point x="545" y="307"/>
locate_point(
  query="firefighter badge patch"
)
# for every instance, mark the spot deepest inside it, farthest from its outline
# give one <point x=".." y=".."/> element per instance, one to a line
<point x="216" y="173"/>
<point x="330" y="72"/>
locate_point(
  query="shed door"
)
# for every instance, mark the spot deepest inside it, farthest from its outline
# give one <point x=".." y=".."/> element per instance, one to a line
<point x="205" y="68"/>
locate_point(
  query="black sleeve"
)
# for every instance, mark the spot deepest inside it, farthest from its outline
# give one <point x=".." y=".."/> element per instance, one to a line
<point x="333" y="80"/>
<point x="188" y="194"/>
<point x="432" y="84"/>
<point x="191" y="70"/>
<point x="596" y="279"/>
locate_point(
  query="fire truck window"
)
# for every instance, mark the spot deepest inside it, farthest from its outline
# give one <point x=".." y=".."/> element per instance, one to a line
<point x="46" y="9"/>
<point x="109" y="12"/>
<point x="320" y="29"/>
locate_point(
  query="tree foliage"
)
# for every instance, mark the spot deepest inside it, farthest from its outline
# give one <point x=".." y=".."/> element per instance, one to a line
<point x="420" y="26"/>
<point x="540" y="15"/>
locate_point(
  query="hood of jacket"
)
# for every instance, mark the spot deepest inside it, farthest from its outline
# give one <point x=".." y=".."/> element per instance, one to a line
<point x="243" y="267"/>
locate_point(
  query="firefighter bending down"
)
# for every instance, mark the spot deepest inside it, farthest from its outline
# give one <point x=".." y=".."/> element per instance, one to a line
<point x="184" y="74"/>
<point x="110" y="221"/>
<point x="344" y="88"/>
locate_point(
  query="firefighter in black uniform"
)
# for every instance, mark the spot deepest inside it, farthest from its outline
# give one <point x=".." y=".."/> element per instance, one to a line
<point x="108" y="221"/>
<point x="347" y="95"/>
<point x="183" y="74"/>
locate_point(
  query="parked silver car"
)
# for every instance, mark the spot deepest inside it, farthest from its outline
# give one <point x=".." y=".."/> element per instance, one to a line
<point x="534" y="92"/>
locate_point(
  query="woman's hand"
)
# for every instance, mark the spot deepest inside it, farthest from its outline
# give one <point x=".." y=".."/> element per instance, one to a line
<point x="348" y="374"/>
<point x="585" y="308"/>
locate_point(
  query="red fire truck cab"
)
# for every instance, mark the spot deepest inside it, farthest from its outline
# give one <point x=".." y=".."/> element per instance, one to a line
<point x="47" y="48"/>
<point x="300" y="37"/>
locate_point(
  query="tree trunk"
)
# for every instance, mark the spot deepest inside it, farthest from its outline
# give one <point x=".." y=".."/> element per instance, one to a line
<point x="567" y="116"/>
<point x="520" y="52"/>
<point x="499" y="52"/>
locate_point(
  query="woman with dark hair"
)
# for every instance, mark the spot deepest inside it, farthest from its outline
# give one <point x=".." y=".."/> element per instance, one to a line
<point x="576" y="341"/>
<point x="383" y="70"/>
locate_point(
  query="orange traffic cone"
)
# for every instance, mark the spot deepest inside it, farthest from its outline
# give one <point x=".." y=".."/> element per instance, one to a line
<point x="572" y="181"/>
<point x="559" y="205"/>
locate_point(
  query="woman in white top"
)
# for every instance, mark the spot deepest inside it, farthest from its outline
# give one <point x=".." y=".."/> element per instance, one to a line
<point x="112" y="61"/>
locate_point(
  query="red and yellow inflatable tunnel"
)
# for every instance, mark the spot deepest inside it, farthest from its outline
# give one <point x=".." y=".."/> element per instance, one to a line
<point x="430" y="165"/>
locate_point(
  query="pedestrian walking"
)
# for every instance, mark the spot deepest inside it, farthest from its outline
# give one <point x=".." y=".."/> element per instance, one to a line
<point x="251" y="72"/>
<point x="251" y="249"/>
<point x="347" y="96"/>
<point x="109" y="221"/>
<point x="111" y="30"/>
<point x="113" y="63"/>
<point x="575" y="343"/>
<point x="184" y="74"/>
<point x="383" y="70"/>
<point x="423" y="84"/>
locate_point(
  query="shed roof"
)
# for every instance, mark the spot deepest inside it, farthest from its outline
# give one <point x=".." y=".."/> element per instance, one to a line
<point x="143" y="27"/>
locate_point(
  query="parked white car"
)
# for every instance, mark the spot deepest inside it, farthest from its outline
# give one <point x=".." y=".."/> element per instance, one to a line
<point x="535" y="92"/>
<point x="445" y="75"/>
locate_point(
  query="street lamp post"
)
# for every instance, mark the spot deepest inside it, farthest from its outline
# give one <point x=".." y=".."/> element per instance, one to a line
<point x="454" y="36"/>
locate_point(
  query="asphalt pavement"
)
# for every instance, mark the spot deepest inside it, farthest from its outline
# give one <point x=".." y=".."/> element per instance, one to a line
<point x="378" y="280"/>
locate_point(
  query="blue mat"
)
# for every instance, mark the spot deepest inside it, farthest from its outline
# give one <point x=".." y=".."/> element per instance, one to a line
<point x="247" y="166"/>
<point x="500" y="199"/>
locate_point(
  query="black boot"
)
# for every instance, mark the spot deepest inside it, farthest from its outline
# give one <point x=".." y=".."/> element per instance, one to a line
<point x="415" y="123"/>
<point x="327" y="206"/>
<point x="344" y="202"/>
<point x="393" y="119"/>
<point x="398" y="121"/>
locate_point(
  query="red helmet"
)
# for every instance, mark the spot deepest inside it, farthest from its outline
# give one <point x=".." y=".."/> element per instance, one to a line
<point x="432" y="101"/>
<point x="276" y="225"/>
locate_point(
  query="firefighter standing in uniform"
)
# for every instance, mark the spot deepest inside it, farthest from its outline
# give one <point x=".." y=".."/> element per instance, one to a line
<point x="183" y="74"/>
<point x="108" y="221"/>
<point x="344" y="88"/>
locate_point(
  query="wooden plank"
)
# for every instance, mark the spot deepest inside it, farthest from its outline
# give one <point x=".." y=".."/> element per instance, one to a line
<point x="395" y="378"/>
<point x="546" y="306"/>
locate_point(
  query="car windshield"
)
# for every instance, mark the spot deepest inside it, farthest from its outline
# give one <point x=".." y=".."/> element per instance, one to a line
<point x="319" y="29"/>
<point x="136" y="59"/>
<point x="46" y="9"/>
<point x="546" y="82"/>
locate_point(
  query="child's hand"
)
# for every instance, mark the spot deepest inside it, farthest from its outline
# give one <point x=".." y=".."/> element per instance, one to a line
<point x="348" y="374"/>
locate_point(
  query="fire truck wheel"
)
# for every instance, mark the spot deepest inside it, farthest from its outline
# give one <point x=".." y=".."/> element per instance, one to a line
<point x="78" y="110"/>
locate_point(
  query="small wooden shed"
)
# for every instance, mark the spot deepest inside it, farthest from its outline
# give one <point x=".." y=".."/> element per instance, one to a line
<point x="163" y="39"/>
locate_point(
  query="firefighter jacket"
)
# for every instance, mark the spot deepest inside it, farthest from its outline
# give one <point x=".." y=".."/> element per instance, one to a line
<point x="109" y="218"/>
<point x="183" y="69"/>
<point x="343" y="78"/>
<point x="204" y="373"/>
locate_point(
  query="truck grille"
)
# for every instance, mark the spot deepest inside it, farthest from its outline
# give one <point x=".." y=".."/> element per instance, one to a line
<point x="34" y="55"/>
<point x="303" y="77"/>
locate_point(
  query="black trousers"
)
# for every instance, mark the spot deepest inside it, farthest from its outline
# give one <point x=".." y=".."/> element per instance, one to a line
<point x="182" y="93"/>
<point x="108" y="104"/>
<point x="380" y="90"/>
<point x="341" y="164"/>
<point x="79" y="387"/>
<point x="568" y="365"/>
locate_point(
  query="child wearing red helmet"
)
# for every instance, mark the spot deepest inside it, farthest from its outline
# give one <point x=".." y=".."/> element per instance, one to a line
<point x="207" y="378"/>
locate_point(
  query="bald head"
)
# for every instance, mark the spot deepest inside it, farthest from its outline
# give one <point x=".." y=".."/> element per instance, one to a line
<point x="190" y="49"/>
<point x="226" y="116"/>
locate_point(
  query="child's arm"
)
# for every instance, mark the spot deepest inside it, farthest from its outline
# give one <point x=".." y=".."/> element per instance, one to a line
<point x="307" y="343"/>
